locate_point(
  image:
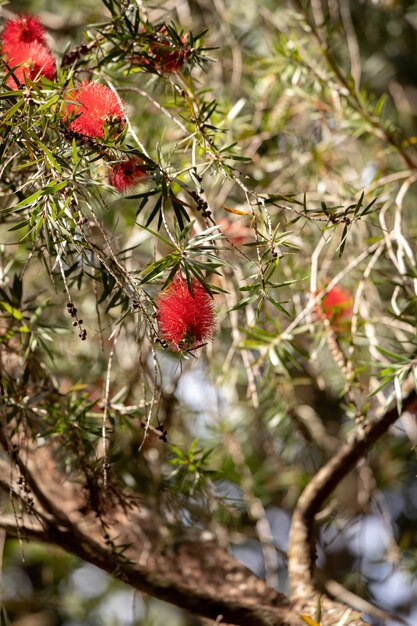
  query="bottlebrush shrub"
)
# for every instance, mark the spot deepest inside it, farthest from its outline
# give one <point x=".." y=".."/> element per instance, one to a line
<point x="23" y="44"/>
<point x="22" y="30"/>
<point x="337" y="306"/>
<point x="127" y="174"/>
<point x="94" y="106"/>
<point x="186" y="317"/>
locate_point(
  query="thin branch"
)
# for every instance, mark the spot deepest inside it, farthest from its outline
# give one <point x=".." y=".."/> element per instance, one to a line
<point x="336" y="590"/>
<point x="352" y="43"/>
<point x="199" y="577"/>
<point x="114" y="336"/>
<point x="46" y="503"/>
<point x="300" y="564"/>
<point x="28" y="528"/>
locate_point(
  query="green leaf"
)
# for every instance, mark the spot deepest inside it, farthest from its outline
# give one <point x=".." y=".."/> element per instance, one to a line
<point x="185" y="231"/>
<point x="398" y="358"/>
<point x="340" y="248"/>
<point x="154" y="211"/>
<point x="51" y="188"/>
<point x="50" y="159"/>
<point x="49" y="103"/>
<point x="11" y="94"/>
<point x="277" y="305"/>
<point x="359" y="203"/>
<point x="244" y="302"/>
<point x="12" y="111"/>
<point x="74" y="152"/>
<point x="166" y="241"/>
<point x="171" y="275"/>
<point x="20" y="225"/>
<point x="367" y="209"/>
<point x="154" y="269"/>
<point x="180" y="212"/>
<point x="10" y="309"/>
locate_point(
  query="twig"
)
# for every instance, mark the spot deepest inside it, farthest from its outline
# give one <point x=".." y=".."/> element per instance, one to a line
<point x="28" y="529"/>
<point x="300" y="563"/>
<point x="115" y="336"/>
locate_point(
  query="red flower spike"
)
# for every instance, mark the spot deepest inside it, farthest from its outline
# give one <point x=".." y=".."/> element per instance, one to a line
<point x="127" y="174"/>
<point x="337" y="306"/>
<point x="97" y="105"/>
<point x="186" y="318"/>
<point x="236" y="232"/>
<point x="24" y="29"/>
<point x="34" y="60"/>
<point x="168" y="57"/>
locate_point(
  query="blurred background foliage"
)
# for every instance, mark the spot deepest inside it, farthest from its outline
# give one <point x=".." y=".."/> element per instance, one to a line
<point x="312" y="94"/>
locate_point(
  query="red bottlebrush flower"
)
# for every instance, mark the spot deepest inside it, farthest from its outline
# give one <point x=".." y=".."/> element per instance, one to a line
<point x="236" y="232"/>
<point x="186" y="318"/>
<point x="337" y="306"/>
<point x="97" y="105"/>
<point x="24" y="29"/>
<point x="34" y="60"/>
<point x="166" y="56"/>
<point x="127" y="174"/>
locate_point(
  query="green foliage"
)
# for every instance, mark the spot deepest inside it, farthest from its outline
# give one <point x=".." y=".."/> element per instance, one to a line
<point x="192" y="468"/>
<point x="273" y="174"/>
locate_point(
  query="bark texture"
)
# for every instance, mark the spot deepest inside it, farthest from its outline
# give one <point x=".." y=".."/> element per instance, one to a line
<point x="194" y="571"/>
<point x="190" y="568"/>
